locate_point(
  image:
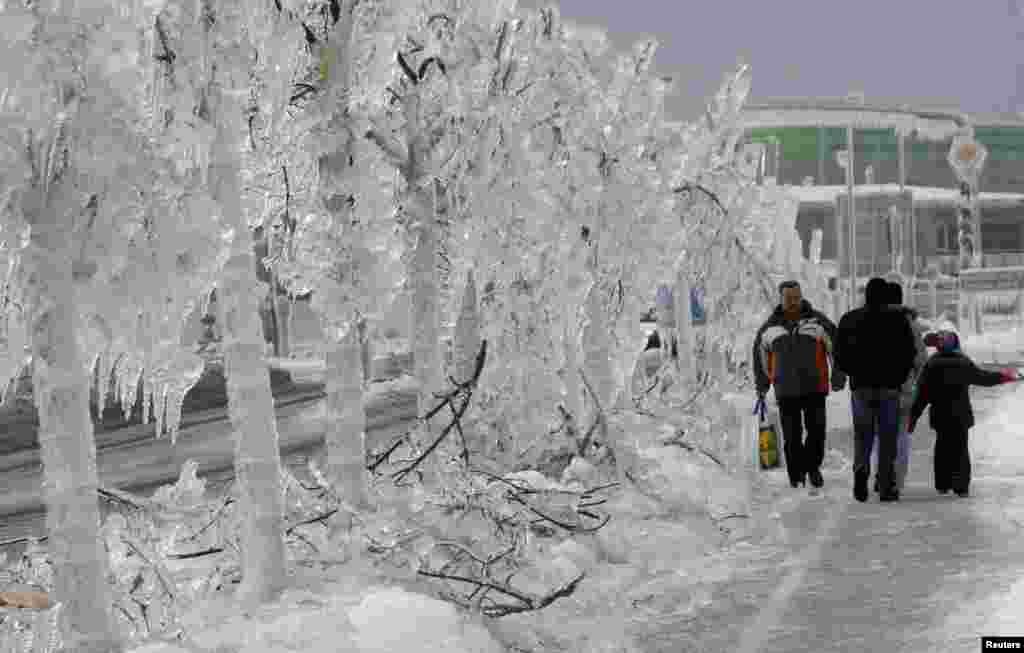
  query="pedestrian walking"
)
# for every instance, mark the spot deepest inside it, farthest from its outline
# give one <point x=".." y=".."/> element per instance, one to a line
<point x="943" y="386"/>
<point x="791" y="353"/>
<point x="907" y="392"/>
<point x="875" y="348"/>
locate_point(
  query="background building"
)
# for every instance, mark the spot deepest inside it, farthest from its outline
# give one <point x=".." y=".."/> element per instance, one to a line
<point x="801" y="136"/>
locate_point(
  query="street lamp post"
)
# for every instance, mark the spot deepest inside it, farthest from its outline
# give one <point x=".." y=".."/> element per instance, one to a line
<point x="967" y="157"/>
<point x="845" y="160"/>
<point x="896" y="239"/>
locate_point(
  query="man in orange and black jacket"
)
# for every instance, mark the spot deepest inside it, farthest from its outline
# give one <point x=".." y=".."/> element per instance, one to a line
<point x="791" y="352"/>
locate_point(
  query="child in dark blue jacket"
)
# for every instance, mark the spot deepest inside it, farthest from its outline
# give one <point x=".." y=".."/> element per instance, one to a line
<point x="943" y="384"/>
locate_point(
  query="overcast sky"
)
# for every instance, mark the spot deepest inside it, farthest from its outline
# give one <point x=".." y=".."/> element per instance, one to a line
<point x="963" y="53"/>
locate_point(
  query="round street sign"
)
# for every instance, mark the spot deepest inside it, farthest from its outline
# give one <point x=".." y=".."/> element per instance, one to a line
<point x="967" y="153"/>
<point x="966" y="156"/>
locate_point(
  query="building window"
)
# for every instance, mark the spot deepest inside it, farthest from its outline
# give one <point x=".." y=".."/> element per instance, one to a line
<point x="946" y="236"/>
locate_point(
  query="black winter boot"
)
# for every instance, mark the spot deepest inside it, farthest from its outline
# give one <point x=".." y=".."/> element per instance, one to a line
<point x="815" y="477"/>
<point x="860" y="486"/>
<point x="891" y="495"/>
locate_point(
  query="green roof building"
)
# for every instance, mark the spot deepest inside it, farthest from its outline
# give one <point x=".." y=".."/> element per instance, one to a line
<point x="802" y="135"/>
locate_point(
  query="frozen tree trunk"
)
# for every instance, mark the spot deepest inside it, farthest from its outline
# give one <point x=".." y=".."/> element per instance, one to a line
<point x="467" y="340"/>
<point x="250" y="402"/>
<point x="574" y="399"/>
<point x="570" y="339"/>
<point x="597" y="355"/>
<point x="257" y="452"/>
<point x="67" y="444"/>
<point x="346" y="359"/>
<point x="282" y="319"/>
<point x="345" y="438"/>
<point x="425" y="313"/>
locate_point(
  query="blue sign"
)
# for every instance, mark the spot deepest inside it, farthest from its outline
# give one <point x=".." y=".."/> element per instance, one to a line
<point x="697" y="312"/>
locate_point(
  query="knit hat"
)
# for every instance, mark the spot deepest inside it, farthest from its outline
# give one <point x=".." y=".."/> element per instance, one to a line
<point x="949" y="342"/>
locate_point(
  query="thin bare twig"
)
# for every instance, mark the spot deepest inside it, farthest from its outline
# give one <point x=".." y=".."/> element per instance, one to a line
<point x="462" y="389"/>
<point x="322" y="518"/>
<point x="599" y="419"/>
<point x="196" y="554"/>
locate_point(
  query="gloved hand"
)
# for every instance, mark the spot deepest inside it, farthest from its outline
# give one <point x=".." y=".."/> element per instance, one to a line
<point x="838" y="381"/>
<point x="1009" y="374"/>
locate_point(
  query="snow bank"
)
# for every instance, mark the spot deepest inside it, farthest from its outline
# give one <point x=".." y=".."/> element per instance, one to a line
<point x="161" y="647"/>
<point x="680" y="477"/>
<point x="338" y="617"/>
<point x="997" y="441"/>
<point x="396" y="621"/>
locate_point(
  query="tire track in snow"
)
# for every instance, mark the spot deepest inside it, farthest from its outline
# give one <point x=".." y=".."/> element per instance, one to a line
<point x="768" y="618"/>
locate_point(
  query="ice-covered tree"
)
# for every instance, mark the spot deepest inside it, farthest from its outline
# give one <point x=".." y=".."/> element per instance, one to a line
<point x="211" y="55"/>
<point x="727" y="225"/>
<point x="100" y="264"/>
<point x="608" y="178"/>
<point x="344" y="247"/>
<point x="438" y="101"/>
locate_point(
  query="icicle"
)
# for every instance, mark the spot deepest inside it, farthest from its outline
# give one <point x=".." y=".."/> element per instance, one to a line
<point x="103" y="368"/>
<point x="204" y="303"/>
<point x="159" y="405"/>
<point x="291" y="320"/>
<point x="175" y="400"/>
<point x="147" y="395"/>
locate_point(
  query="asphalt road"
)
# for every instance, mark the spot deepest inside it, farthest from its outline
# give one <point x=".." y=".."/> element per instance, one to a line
<point x="133" y="459"/>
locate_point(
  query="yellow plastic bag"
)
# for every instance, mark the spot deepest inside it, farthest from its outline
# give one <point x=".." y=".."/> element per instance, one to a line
<point x="768" y="449"/>
<point x="768" y="453"/>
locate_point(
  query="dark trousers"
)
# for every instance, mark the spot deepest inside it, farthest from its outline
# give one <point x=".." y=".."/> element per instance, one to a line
<point x="952" y="460"/>
<point x="796" y="413"/>
<point x="876" y="415"/>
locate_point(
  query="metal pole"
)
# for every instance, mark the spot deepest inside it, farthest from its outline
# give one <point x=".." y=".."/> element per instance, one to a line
<point x="913" y="238"/>
<point x="901" y="149"/>
<point x="874" y="244"/>
<point x="852" y="216"/>
<point x="821" y="156"/>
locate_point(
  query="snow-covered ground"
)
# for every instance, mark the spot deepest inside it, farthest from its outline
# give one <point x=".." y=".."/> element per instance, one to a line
<point x="801" y="573"/>
<point x="794" y="573"/>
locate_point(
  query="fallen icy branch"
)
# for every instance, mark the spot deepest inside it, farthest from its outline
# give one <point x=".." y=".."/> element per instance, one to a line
<point x="195" y="554"/>
<point x="678" y="441"/>
<point x="321" y="518"/>
<point x="23" y="540"/>
<point x="524" y="602"/>
<point x="599" y="419"/>
<point x="462" y="392"/>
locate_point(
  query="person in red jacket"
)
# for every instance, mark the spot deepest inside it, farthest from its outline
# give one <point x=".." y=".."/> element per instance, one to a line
<point x="791" y="353"/>
<point x="944" y="386"/>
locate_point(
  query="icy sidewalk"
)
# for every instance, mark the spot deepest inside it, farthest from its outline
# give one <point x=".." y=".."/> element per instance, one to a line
<point x="930" y="573"/>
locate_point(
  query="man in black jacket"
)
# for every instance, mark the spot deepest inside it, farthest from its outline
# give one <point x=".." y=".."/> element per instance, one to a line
<point x="875" y="348"/>
<point x="944" y="384"/>
<point x="791" y="352"/>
